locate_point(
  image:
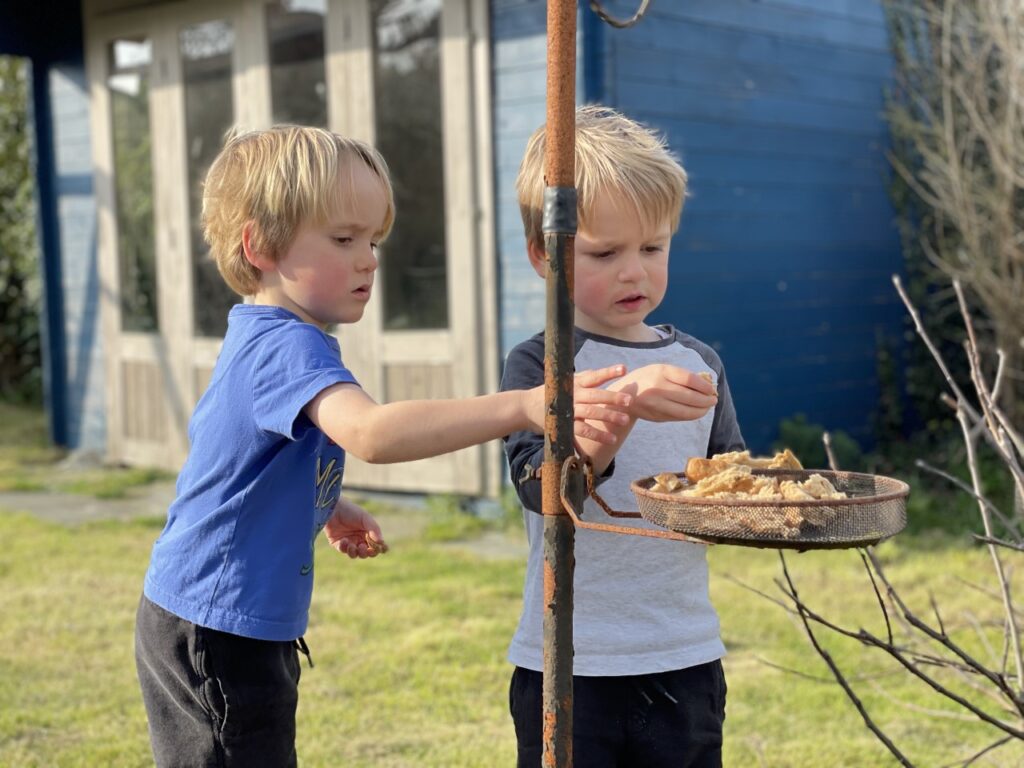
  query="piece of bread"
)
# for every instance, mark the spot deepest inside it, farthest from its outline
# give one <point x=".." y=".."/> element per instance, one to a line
<point x="707" y="377"/>
<point x="697" y="468"/>
<point x="820" y="488"/>
<point x="735" y="479"/>
<point x="785" y="460"/>
<point x="666" y="482"/>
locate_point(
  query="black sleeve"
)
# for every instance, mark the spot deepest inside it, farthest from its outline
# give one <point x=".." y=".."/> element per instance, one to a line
<point x="725" y="428"/>
<point x="524" y="369"/>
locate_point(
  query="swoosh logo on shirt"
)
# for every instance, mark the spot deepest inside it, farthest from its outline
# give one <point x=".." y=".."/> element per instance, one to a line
<point x="306" y="569"/>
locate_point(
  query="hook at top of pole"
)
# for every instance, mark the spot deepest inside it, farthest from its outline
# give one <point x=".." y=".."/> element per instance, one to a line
<point x="595" y="6"/>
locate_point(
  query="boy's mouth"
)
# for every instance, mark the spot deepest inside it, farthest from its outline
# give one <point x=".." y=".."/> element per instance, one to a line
<point x="631" y="302"/>
<point x="362" y="292"/>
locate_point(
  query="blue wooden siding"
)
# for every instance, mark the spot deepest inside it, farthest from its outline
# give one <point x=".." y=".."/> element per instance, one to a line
<point x="787" y="244"/>
<point x="76" y="213"/>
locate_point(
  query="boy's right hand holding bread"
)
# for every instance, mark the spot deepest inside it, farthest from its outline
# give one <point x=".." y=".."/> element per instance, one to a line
<point x="667" y="393"/>
<point x="659" y="392"/>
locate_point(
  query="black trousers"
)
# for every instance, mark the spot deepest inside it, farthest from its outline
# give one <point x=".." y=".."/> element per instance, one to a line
<point x="212" y="698"/>
<point x="665" y="720"/>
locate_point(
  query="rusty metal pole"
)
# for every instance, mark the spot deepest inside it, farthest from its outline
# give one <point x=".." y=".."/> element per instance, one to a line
<point x="559" y="226"/>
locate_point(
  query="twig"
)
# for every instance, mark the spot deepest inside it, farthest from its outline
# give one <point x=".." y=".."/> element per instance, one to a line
<point x="879" y="734"/>
<point x="997" y="563"/>
<point x="997" y="680"/>
<point x="970" y="491"/>
<point x="974" y="758"/>
<point x="878" y="593"/>
<point x="999" y="542"/>
<point x="931" y="346"/>
<point x="826" y="438"/>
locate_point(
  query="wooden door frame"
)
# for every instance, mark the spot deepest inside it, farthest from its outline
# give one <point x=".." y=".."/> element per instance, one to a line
<point x="470" y="342"/>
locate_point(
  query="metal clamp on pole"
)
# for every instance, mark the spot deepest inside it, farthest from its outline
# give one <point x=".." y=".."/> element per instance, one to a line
<point x="560" y="211"/>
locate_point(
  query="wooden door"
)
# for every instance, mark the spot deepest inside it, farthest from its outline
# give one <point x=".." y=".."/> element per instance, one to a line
<point x="419" y="72"/>
<point x="410" y="76"/>
<point x="148" y="154"/>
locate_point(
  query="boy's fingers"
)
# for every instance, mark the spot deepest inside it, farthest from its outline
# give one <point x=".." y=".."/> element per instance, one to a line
<point x="599" y="376"/>
<point x="589" y="432"/>
<point x="692" y="380"/>
<point x="602" y="397"/>
<point x="600" y="413"/>
<point x="375" y="543"/>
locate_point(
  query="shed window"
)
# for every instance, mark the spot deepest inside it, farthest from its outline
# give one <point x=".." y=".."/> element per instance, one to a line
<point x="407" y="74"/>
<point x="298" y="84"/>
<point x="206" y="51"/>
<point x="129" y="62"/>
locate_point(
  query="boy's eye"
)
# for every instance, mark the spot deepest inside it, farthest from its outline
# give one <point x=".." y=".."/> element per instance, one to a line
<point x="342" y="239"/>
<point x="653" y="248"/>
<point x="603" y="254"/>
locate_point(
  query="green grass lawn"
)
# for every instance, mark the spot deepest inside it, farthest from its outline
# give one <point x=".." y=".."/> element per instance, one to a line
<point x="410" y="648"/>
<point x="409" y="652"/>
<point x="29" y="463"/>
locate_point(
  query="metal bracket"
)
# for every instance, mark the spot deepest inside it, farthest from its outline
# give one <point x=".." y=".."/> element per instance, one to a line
<point x="606" y="17"/>
<point x="575" y="470"/>
<point x="559" y="214"/>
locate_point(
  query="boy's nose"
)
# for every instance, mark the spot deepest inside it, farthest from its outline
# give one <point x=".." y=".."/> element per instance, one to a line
<point x="368" y="263"/>
<point x="632" y="268"/>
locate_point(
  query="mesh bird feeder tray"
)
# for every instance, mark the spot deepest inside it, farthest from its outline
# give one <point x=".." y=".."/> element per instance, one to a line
<point x="874" y="509"/>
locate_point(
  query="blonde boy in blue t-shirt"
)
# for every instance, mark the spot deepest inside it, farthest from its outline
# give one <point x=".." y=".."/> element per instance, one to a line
<point x="293" y="217"/>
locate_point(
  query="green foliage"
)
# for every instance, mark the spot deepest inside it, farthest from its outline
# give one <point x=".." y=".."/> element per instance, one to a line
<point x="888" y="417"/>
<point x="20" y="350"/>
<point x="804" y="439"/>
<point x="451" y="519"/>
<point x="455" y="518"/>
<point x="935" y="503"/>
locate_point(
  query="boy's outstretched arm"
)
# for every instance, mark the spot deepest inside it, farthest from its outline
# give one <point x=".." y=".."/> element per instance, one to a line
<point x="353" y="531"/>
<point x="418" y="429"/>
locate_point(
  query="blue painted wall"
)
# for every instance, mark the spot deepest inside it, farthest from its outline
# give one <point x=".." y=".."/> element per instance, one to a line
<point x="787" y="243"/>
<point x="76" y="208"/>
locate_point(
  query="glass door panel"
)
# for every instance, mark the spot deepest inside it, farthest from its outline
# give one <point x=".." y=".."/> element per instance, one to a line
<point x="128" y="79"/>
<point x="298" y="81"/>
<point x="206" y="53"/>
<point x="407" y="81"/>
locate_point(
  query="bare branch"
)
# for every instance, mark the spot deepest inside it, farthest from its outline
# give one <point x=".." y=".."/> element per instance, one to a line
<point x="997" y="563"/>
<point x="999" y="542"/>
<point x="879" y="734"/>
<point x="1010" y="525"/>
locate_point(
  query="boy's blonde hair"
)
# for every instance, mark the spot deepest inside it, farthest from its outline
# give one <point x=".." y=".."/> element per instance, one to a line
<point x="280" y="179"/>
<point x="614" y="155"/>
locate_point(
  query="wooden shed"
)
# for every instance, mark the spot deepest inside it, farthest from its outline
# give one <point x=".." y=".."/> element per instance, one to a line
<point x="775" y="107"/>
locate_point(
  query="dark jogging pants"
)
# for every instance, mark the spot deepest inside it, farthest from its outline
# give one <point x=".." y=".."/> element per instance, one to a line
<point x="212" y="698"/>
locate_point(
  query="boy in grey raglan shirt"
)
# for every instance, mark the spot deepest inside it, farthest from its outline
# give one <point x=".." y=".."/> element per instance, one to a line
<point x="647" y="677"/>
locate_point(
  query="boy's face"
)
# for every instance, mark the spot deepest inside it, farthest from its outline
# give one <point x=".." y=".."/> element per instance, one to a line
<point x="326" y="275"/>
<point x="621" y="270"/>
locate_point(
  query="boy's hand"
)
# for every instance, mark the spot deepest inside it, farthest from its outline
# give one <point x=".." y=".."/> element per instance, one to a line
<point x="590" y="402"/>
<point x="352" y="531"/>
<point x="667" y="393"/>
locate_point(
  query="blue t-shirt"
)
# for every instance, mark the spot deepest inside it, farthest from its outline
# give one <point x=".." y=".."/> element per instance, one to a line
<point x="259" y="483"/>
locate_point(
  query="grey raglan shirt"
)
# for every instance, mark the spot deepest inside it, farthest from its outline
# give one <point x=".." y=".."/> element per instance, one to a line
<point x="641" y="604"/>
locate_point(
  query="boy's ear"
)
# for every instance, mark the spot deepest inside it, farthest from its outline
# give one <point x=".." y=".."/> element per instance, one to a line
<point x="253" y="255"/>
<point x="538" y="258"/>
